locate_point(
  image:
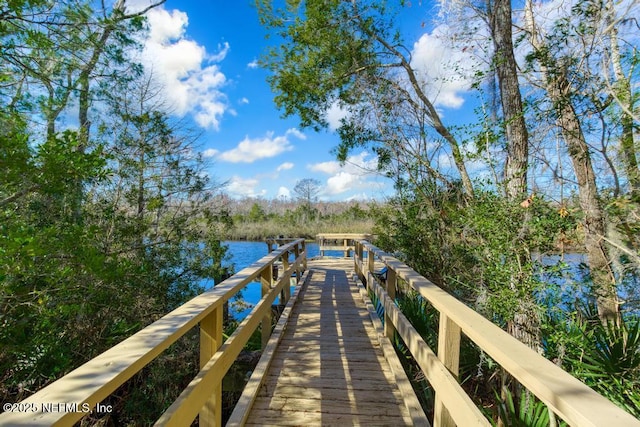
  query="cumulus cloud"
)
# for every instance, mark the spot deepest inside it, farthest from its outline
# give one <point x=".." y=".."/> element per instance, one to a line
<point x="445" y="67"/>
<point x="210" y="152"/>
<point x="244" y="187"/>
<point x="334" y="115"/>
<point x="359" y="164"/>
<point x="253" y="64"/>
<point x="284" y="193"/>
<point x="331" y="167"/>
<point x="341" y="182"/>
<point x="285" y="166"/>
<point x="249" y="150"/>
<point x="190" y="76"/>
<point x="353" y="175"/>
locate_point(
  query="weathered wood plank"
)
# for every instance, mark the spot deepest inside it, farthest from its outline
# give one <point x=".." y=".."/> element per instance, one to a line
<point x="329" y="367"/>
<point x="283" y="390"/>
<point x="329" y="405"/>
<point x="301" y="418"/>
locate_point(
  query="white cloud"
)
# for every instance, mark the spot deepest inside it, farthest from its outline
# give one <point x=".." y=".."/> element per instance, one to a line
<point x="341" y="182"/>
<point x="244" y="187"/>
<point x="330" y="167"/>
<point x="243" y="101"/>
<point x="445" y="66"/>
<point x="334" y="115"/>
<point x="284" y="192"/>
<point x="359" y="164"/>
<point x="210" y="152"/>
<point x="295" y="132"/>
<point x="285" y="166"/>
<point x="253" y="64"/>
<point x="249" y="150"/>
<point x="190" y="77"/>
<point x="353" y="175"/>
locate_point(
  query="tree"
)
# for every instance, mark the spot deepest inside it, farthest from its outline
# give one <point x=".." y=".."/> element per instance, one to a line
<point x="307" y="190"/>
<point x="496" y="17"/>
<point x="103" y="230"/>
<point x="63" y="53"/>
<point x="554" y="67"/>
<point x="257" y="214"/>
<point x="349" y="55"/>
<point x="516" y="164"/>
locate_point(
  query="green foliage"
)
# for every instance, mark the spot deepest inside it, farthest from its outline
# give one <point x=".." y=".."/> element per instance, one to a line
<point x="529" y="412"/>
<point x="101" y="233"/>
<point x="607" y="358"/>
<point x="474" y="250"/>
<point x="257" y="214"/>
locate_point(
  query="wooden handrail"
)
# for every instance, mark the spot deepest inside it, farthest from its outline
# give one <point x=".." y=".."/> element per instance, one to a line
<point x="344" y="242"/>
<point x="82" y="389"/>
<point x="569" y="398"/>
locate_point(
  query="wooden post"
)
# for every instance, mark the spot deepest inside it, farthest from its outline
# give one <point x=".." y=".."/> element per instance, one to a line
<point x="296" y="254"/>
<point x="449" y="355"/>
<point x="357" y="258"/>
<point x="389" y="329"/>
<point x="304" y="261"/>
<point x="346" y="248"/>
<point x="371" y="266"/>
<point x="286" y="290"/>
<point x="321" y="246"/>
<point x="210" y="341"/>
<point x="266" y="278"/>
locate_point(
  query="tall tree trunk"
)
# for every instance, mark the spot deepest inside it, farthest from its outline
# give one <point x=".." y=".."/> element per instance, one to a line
<point x="624" y="96"/>
<point x="594" y="221"/>
<point x="525" y="325"/>
<point x="512" y="109"/>
<point x="559" y="90"/>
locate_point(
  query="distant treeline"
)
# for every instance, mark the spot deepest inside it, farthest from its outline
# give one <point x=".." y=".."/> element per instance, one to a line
<point x="256" y="218"/>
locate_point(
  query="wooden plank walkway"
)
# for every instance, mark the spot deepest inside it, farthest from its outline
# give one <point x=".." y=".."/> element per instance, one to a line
<point x="329" y="368"/>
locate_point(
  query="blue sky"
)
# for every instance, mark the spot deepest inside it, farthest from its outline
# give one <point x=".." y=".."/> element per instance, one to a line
<point x="204" y="54"/>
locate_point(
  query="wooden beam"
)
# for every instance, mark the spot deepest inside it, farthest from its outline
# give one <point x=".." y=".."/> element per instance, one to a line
<point x="94" y="381"/>
<point x="572" y="400"/>
<point x="250" y="392"/>
<point x="266" y="279"/>
<point x="210" y="341"/>
<point x="389" y="330"/>
<point x="449" y="355"/>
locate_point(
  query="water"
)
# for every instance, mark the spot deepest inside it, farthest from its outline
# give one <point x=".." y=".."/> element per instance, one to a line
<point x="564" y="289"/>
<point x="243" y="254"/>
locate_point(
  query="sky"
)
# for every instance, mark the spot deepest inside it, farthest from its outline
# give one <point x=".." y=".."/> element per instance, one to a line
<point x="205" y="55"/>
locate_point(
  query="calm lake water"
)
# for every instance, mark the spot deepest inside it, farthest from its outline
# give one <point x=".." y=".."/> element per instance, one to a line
<point x="243" y="254"/>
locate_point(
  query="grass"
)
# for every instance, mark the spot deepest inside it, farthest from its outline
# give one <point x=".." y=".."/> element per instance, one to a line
<point x="278" y="227"/>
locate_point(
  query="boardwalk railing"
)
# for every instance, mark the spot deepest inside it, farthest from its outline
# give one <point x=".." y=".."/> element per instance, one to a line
<point x="82" y="389"/>
<point x="566" y="396"/>
<point x="344" y="242"/>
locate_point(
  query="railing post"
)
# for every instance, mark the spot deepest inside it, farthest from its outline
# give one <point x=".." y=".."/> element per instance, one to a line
<point x="371" y="266"/>
<point x="346" y="248"/>
<point x="449" y="355"/>
<point x="357" y="258"/>
<point x="304" y="261"/>
<point x="296" y="254"/>
<point x="210" y="341"/>
<point x="389" y="330"/>
<point x="266" y="279"/>
<point x="287" y="286"/>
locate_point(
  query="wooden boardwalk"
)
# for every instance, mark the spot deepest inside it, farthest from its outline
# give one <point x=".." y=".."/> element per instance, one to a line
<point x="330" y="367"/>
